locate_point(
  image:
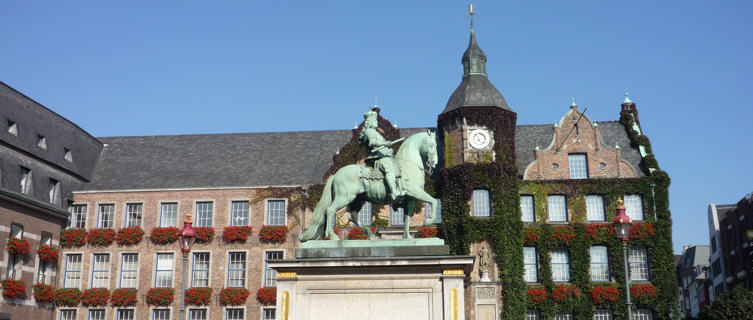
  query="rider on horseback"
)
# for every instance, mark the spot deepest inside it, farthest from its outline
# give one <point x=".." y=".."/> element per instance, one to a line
<point x="380" y="153"/>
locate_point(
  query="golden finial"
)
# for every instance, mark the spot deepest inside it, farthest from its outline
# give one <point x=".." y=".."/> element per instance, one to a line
<point x="470" y="8"/>
<point x="620" y="204"/>
<point x="188" y="217"/>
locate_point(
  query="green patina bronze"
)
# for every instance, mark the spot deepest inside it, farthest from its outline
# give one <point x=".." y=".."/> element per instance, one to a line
<point x="353" y="185"/>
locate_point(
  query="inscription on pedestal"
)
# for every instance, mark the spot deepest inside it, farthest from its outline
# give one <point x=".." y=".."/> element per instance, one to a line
<point x="370" y="306"/>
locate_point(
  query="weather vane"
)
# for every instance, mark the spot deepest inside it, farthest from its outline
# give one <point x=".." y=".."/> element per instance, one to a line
<point x="470" y="12"/>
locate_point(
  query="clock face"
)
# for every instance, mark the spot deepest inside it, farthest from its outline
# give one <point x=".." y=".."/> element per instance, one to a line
<point x="479" y="138"/>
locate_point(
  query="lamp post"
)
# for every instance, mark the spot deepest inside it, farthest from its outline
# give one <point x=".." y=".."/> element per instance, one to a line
<point x="186" y="237"/>
<point x="622" y="225"/>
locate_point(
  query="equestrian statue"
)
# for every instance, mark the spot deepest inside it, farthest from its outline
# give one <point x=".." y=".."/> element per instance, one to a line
<point x="385" y="179"/>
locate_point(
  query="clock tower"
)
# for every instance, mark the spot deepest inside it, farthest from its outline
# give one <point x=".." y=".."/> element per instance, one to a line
<point x="477" y="125"/>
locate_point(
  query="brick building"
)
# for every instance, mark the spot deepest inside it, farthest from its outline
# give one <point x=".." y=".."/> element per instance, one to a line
<point x="499" y="182"/>
<point x="736" y="229"/>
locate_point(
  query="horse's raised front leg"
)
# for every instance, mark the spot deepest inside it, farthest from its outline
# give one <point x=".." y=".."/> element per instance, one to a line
<point x="407" y="213"/>
<point x="337" y="204"/>
<point x="419" y="194"/>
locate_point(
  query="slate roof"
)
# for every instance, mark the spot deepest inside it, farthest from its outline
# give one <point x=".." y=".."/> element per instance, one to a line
<point x="261" y="159"/>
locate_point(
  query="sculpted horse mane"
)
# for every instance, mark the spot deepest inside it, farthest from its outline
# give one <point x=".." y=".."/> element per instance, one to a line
<point x="348" y="187"/>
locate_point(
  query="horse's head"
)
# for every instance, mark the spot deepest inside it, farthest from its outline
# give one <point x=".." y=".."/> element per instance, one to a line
<point x="429" y="150"/>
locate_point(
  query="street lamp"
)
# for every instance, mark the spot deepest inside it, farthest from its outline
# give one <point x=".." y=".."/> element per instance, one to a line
<point x="186" y="237"/>
<point x="622" y="226"/>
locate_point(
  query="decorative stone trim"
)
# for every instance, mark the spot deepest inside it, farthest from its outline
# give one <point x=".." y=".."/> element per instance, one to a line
<point x="453" y="272"/>
<point x="287" y="275"/>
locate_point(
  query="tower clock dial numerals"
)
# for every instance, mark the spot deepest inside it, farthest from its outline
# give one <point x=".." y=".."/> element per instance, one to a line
<point x="479" y="138"/>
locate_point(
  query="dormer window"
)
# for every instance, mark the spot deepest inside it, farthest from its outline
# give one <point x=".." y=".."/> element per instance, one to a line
<point x="42" y="142"/>
<point x="54" y="191"/>
<point x="68" y="155"/>
<point x="25" y="180"/>
<point x="12" y="127"/>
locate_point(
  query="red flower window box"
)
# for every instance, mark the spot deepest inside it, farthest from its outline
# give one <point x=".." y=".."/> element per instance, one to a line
<point x="130" y="236"/>
<point x="604" y="295"/>
<point x="536" y="295"/>
<point x="563" y="233"/>
<point x="565" y="293"/>
<point x="95" y="297"/>
<point x="198" y="296"/>
<point x="164" y="235"/>
<point x="233" y="296"/>
<point x="427" y="232"/>
<point x="204" y="234"/>
<point x="358" y="233"/>
<point x="124" y="297"/>
<point x="48" y="253"/>
<point x="19" y="247"/>
<point x="276" y="234"/>
<point x="600" y="232"/>
<point x="161" y="297"/>
<point x="72" y="238"/>
<point x="101" y="237"/>
<point x="532" y="235"/>
<point x="44" y="293"/>
<point x="644" y="294"/>
<point x="267" y="296"/>
<point x="236" y="233"/>
<point x="641" y="231"/>
<point x="67" y="297"/>
<point x="14" y="289"/>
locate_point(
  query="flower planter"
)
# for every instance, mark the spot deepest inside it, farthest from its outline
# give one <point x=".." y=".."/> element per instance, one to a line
<point x="161" y="297"/>
<point x="198" y="296"/>
<point x="72" y="238"/>
<point x="14" y="289"/>
<point x="358" y="234"/>
<point x="236" y="234"/>
<point x="47" y="253"/>
<point x="233" y="296"/>
<point x="19" y="247"/>
<point x="644" y="294"/>
<point x="204" y="234"/>
<point x="536" y="295"/>
<point x="602" y="295"/>
<point x="67" y="297"/>
<point x="273" y="234"/>
<point x="100" y="237"/>
<point x="164" y="235"/>
<point x="44" y="293"/>
<point x="427" y="232"/>
<point x="267" y="296"/>
<point x="95" y="297"/>
<point x="130" y="236"/>
<point x="124" y="297"/>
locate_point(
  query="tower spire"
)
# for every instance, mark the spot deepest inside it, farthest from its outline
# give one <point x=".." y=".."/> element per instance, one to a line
<point x="470" y="13"/>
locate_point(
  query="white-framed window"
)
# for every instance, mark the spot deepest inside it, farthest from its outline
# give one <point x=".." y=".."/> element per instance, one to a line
<point x="197" y="314"/>
<point x="105" y="214"/>
<point x="200" y="269"/>
<point x="67" y="314"/>
<point x="236" y="269"/>
<point x="43" y="274"/>
<point x="638" y="264"/>
<point x="634" y="207"/>
<point x="530" y="265"/>
<point x="17" y="231"/>
<point x="557" y="208"/>
<point x="54" y="191"/>
<point x="599" y="263"/>
<point x="397" y="217"/>
<point x="560" y="265"/>
<point x="481" y="203"/>
<point x="96" y="314"/>
<point x="129" y="268"/>
<point x="643" y="314"/>
<point x="168" y="216"/>
<point x="12" y="127"/>
<point x="602" y="314"/>
<point x="527" y="208"/>
<point x="72" y="271"/>
<point x="276" y="212"/>
<point x="78" y="216"/>
<point x="204" y="214"/>
<point x="595" y="208"/>
<point x="101" y="270"/>
<point x="161" y="314"/>
<point x="427" y="210"/>
<point x="533" y="315"/>
<point x="234" y="314"/>
<point x="364" y="215"/>
<point x="239" y="213"/>
<point x="26" y="180"/>
<point x="133" y="214"/>
<point x="578" y="165"/>
<point x="563" y="316"/>
<point x="270" y="275"/>
<point x="164" y="270"/>
<point x="125" y="314"/>
<point x="268" y="313"/>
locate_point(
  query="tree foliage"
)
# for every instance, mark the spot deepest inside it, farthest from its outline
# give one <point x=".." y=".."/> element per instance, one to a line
<point x="736" y="304"/>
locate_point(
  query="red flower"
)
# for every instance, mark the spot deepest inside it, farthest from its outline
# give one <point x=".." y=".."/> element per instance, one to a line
<point x="267" y="296"/>
<point x="44" y="293"/>
<point x="273" y="234"/>
<point x="644" y="294"/>
<point x="100" y="237"/>
<point x="204" y="234"/>
<point x="19" y="247"/>
<point x="198" y="296"/>
<point x="233" y="296"/>
<point x="160" y="296"/>
<point x="532" y="235"/>
<point x="427" y="232"/>
<point x="565" y="292"/>
<point x="641" y="231"/>
<point x="14" y="289"/>
<point x="72" y="238"/>
<point x="47" y="253"/>
<point x="358" y="234"/>
<point x="95" y="297"/>
<point x="130" y="236"/>
<point x="563" y="233"/>
<point x="124" y="297"/>
<point x="604" y="294"/>
<point x="599" y="231"/>
<point x="236" y="233"/>
<point x="67" y="297"/>
<point x="337" y="232"/>
<point x="164" y="235"/>
<point x="535" y="295"/>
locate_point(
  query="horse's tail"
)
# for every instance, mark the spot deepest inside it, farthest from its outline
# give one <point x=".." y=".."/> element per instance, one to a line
<point x="317" y="226"/>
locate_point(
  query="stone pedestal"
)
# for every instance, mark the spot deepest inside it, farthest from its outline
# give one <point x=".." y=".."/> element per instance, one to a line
<point x="340" y="280"/>
<point x="484" y="297"/>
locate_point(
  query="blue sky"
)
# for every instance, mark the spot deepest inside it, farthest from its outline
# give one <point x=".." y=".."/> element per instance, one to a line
<point x="176" y="67"/>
